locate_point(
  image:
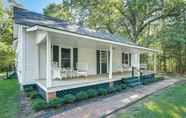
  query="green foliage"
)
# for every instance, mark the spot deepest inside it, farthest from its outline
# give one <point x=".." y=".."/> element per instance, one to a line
<point x="7" y="54"/>
<point x="32" y="94"/>
<point x="9" y="101"/>
<point x="56" y="102"/>
<point x="28" y="89"/>
<point x="91" y="93"/>
<point x="69" y="98"/>
<point x="39" y="104"/>
<point x="102" y="91"/>
<point x="123" y="86"/>
<point x="112" y="89"/>
<point x="81" y="95"/>
<point x="118" y="88"/>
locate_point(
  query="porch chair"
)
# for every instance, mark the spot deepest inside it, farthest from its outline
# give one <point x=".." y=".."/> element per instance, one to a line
<point x="63" y="73"/>
<point x="56" y="71"/>
<point x="126" y="68"/>
<point x="82" y="70"/>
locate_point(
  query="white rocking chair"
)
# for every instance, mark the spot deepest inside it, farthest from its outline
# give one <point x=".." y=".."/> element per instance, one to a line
<point x="82" y="70"/>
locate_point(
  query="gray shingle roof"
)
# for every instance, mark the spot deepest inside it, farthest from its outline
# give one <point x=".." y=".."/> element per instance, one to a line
<point x="29" y="18"/>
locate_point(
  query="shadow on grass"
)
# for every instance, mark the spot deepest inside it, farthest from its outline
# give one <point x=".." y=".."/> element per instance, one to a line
<point x="169" y="103"/>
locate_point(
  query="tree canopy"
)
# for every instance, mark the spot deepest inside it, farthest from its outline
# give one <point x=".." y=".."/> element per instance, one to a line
<point x="7" y="55"/>
<point x="151" y="23"/>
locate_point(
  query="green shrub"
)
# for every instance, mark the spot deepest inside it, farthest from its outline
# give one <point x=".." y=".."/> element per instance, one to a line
<point x="69" y="98"/>
<point x="56" y="102"/>
<point x="112" y="90"/>
<point x="118" y="88"/>
<point x="38" y="104"/>
<point x="159" y="78"/>
<point x="102" y="91"/>
<point x="123" y="86"/>
<point x="29" y="89"/>
<point x="32" y="94"/>
<point x="91" y="93"/>
<point x="81" y="95"/>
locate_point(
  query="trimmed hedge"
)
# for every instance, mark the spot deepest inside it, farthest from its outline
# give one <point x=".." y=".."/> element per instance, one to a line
<point x="69" y="98"/>
<point x="56" y="102"/>
<point x="39" y="104"/>
<point x="81" y="95"/>
<point x="102" y="91"/>
<point x="91" y="93"/>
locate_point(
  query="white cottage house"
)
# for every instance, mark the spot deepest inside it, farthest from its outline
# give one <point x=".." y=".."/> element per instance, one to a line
<point x="56" y="55"/>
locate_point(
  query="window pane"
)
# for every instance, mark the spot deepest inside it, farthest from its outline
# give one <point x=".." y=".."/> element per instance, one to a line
<point x="56" y="53"/>
<point x="65" y="58"/>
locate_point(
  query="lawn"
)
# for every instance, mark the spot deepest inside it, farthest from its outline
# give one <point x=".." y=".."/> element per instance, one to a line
<point x="169" y="103"/>
<point x="9" y="105"/>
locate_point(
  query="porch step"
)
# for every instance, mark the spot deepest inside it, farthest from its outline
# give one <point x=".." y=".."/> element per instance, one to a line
<point x="132" y="82"/>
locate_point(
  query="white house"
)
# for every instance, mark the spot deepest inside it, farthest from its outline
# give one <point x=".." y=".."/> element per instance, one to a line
<point x="56" y="55"/>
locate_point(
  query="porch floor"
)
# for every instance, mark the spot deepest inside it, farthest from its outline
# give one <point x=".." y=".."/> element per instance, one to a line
<point x="80" y="81"/>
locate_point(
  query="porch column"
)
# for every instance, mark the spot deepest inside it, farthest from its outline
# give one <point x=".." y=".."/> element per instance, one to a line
<point x="110" y="63"/>
<point x="48" y="63"/>
<point x="137" y="62"/>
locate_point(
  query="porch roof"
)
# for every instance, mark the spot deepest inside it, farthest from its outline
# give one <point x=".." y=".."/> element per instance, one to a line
<point x="32" y="19"/>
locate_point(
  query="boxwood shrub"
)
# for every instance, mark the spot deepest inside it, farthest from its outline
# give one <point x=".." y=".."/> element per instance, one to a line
<point x="56" y="102"/>
<point x="28" y="88"/>
<point x="118" y="88"/>
<point x="81" y="95"/>
<point x="112" y="90"/>
<point x="69" y="98"/>
<point x="102" y="91"/>
<point x="38" y="104"/>
<point x="91" y="93"/>
<point x="123" y="86"/>
<point x="32" y="94"/>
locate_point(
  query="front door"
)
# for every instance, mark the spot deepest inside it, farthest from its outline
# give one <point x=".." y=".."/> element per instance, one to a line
<point x="102" y="61"/>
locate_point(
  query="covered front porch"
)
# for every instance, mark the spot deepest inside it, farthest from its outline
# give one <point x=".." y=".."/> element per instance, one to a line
<point x="66" y="84"/>
<point x="100" y="61"/>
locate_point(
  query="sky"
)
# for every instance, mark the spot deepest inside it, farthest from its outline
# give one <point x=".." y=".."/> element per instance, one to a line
<point x="36" y="5"/>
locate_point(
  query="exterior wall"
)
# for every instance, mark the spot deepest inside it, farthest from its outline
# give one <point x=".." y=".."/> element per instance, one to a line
<point x="116" y="60"/>
<point x="42" y="62"/>
<point x="26" y="56"/>
<point x="88" y="56"/>
<point x="30" y="58"/>
<point x="19" y="52"/>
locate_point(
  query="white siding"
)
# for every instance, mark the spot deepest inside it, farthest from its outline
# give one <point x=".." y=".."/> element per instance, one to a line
<point x="88" y="56"/>
<point x="42" y="57"/>
<point x="116" y="60"/>
<point x="30" y="58"/>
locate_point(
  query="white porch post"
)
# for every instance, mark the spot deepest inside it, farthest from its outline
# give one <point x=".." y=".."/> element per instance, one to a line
<point x="48" y="63"/>
<point x="110" y="63"/>
<point x="137" y="62"/>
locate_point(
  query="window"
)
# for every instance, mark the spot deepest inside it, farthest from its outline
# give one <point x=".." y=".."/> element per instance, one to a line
<point x="65" y="58"/>
<point x="55" y="52"/>
<point x="126" y="58"/>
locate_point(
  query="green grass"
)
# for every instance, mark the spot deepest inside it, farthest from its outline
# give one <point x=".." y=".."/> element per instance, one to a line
<point x="9" y="105"/>
<point x="169" y="103"/>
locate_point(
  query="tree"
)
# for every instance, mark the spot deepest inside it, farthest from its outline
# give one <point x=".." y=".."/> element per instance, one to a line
<point x="128" y="17"/>
<point x="7" y="55"/>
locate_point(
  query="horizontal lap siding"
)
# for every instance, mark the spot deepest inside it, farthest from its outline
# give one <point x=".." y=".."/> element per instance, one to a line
<point x="117" y="60"/>
<point x="88" y="56"/>
<point x="30" y="60"/>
